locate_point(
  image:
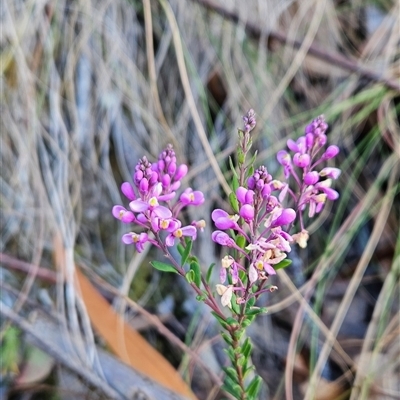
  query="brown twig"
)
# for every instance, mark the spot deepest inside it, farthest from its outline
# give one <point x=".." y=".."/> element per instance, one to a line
<point x="22" y="266"/>
<point x="330" y="58"/>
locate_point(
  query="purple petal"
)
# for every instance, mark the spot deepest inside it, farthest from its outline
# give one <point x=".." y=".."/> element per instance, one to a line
<point x="175" y="186"/>
<point x="189" y="231"/>
<point x="221" y="238"/>
<point x="127" y="190"/>
<point x="138" y="206"/>
<point x="117" y="211"/>
<point x="241" y="194"/>
<point x="225" y="223"/>
<point x="287" y="216"/>
<point x="333" y="173"/>
<point x="181" y="172"/>
<point x="162" y="212"/>
<point x="283" y="157"/>
<point x="222" y="275"/>
<point x="167" y="197"/>
<point x="166" y="180"/>
<point x="128" y="238"/>
<point x="311" y="178"/>
<point x="268" y="268"/>
<point x="218" y="213"/>
<point x="330" y="193"/>
<point x="247" y="212"/>
<point x="301" y="160"/>
<point x="292" y="145"/>
<point x="170" y="240"/>
<point x="144" y="185"/>
<point x="331" y="151"/>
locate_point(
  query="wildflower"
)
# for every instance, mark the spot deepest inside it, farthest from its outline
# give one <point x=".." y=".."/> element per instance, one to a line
<point x="223" y="220"/>
<point x="192" y="197"/>
<point x="226" y="293"/>
<point x="249" y="120"/>
<point x="223" y="239"/>
<point x="176" y="232"/>
<point x="301" y="238"/>
<point x="127" y="190"/>
<point x="138" y="240"/>
<point x="123" y="214"/>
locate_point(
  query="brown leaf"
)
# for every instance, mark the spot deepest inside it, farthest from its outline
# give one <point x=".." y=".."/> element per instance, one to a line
<point x="128" y="344"/>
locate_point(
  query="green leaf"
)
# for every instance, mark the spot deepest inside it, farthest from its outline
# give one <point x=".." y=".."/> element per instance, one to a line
<point x="246" y="348"/>
<point x="231" y="321"/>
<point x="231" y="354"/>
<point x="209" y="272"/>
<point x="235" y="306"/>
<point x="227" y="338"/>
<point x="250" y="171"/>
<point x="241" y="241"/>
<point x="254" y="387"/>
<point x="180" y="248"/>
<point x="233" y="169"/>
<point x="232" y="388"/>
<point x="163" y="267"/>
<point x="231" y="373"/>
<point x="195" y="267"/>
<point x="283" y="264"/>
<point x="251" y="162"/>
<point x="200" y="297"/>
<point x="220" y="320"/>
<point x="234" y="202"/>
<point x="254" y="311"/>
<point x="250" y="303"/>
<point x="190" y="276"/>
<point x="186" y="252"/>
<point x="235" y="183"/>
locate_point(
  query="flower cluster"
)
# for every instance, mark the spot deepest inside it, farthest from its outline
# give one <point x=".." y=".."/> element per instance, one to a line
<point x="262" y="222"/>
<point x="313" y="187"/>
<point x="151" y="204"/>
<point x="255" y="235"/>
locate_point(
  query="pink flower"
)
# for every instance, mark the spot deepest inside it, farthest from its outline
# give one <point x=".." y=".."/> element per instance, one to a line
<point x="192" y="197"/>
<point x="287" y="216"/>
<point x="141" y="206"/>
<point x="122" y="214"/>
<point x="223" y="220"/>
<point x="222" y="238"/>
<point x="138" y="240"/>
<point x="127" y="190"/>
<point x="177" y="232"/>
<point x="247" y="212"/>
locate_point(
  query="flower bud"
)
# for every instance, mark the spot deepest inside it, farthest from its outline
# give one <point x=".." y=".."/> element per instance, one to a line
<point x="247" y="212"/>
<point x="127" y="190"/>
<point x="181" y="172"/>
<point x="311" y="178"/>
<point x="332" y="173"/>
<point x="301" y="160"/>
<point x="331" y="151"/>
<point x="287" y="216"/>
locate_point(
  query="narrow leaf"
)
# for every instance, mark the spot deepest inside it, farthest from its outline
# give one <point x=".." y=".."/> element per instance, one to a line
<point x="254" y="387"/>
<point x="190" y="276"/>
<point x="234" y="202"/>
<point x="195" y="267"/>
<point x="180" y="248"/>
<point x="209" y="272"/>
<point x="283" y="264"/>
<point x="163" y="267"/>
<point x="233" y="169"/>
<point x="240" y="241"/>
<point x="186" y="252"/>
<point x="219" y="319"/>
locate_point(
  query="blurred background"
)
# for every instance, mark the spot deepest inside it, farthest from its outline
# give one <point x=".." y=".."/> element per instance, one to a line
<point x="89" y="87"/>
